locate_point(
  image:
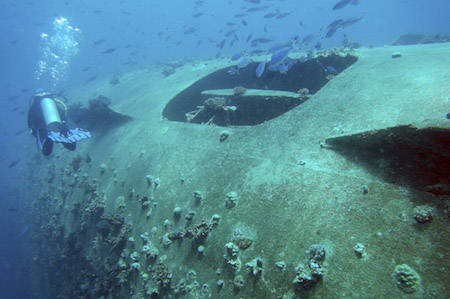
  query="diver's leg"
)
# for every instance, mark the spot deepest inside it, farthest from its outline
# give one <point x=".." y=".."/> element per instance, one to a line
<point x="47" y="147"/>
<point x="70" y="146"/>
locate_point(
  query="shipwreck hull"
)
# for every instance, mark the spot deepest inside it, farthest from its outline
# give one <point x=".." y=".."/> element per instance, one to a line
<point x="279" y="187"/>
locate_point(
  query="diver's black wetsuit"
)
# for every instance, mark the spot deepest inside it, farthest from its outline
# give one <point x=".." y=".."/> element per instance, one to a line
<point x="38" y="128"/>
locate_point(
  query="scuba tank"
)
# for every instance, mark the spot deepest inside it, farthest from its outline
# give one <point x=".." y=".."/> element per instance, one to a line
<point x="50" y="111"/>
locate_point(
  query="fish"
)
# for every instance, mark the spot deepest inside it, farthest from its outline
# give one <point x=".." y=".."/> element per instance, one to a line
<point x="233" y="71"/>
<point x="244" y="62"/>
<point x="303" y="59"/>
<point x="350" y="21"/>
<point x="331" y="31"/>
<point x="295" y="38"/>
<point x="331" y="70"/>
<point x="86" y="69"/>
<point x="244" y="22"/>
<point x="261" y="40"/>
<point x="279" y="56"/>
<point x="257" y="52"/>
<point x="240" y="15"/>
<point x="99" y="42"/>
<point x="231" y="24"/>
<point x="309" y="38"/>
<point x="249" y="37"/>
<point x="110" y="50"/>
<point x="275" y="68"/>
<point x="236" y="56"/>
<point x="13" y="163"/>
<point x="283" y="69"/>
<point x="91" y="79"/>
<point x="283" y="15"/>
<point x="20" y="132"/>
<point x="335" y="23"/>
<point x="258" y="8"/>
<point x="222" y="44"/>
<point x="189" y="30"/>
<point x="260" y="69"/>
<point x="197" y="15"/>
<point x="230" y="32"/>
<point x="341" y="4"/>
<point x="290" y="65"/>
<point x="277" y="47"/>
<point x="12" y="98"/>
<point x="270" y="15"/>
<point x="253" y="9"/>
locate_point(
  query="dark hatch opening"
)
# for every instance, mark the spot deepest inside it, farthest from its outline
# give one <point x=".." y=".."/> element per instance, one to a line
<point x="218" y="99"/>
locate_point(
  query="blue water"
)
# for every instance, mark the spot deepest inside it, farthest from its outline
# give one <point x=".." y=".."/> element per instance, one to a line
<point x="142" y="34"/>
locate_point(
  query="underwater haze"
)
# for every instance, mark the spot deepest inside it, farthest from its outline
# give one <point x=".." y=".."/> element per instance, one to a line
<point x="199" y="146"/>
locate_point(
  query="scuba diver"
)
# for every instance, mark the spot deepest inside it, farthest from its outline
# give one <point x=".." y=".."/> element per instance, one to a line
<point x="47" y="122"/>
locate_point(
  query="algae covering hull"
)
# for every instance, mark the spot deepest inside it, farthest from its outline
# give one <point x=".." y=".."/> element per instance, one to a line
<point x="173" y="209"/>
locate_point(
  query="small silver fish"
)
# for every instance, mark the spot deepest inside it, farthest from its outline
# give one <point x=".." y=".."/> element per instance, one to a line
<point x="236" y="56"/>
<point x="341" y="4"/>
<point x="244" y="62"/>
<point x="260" y="69"/>
<point x="279" y="56"/>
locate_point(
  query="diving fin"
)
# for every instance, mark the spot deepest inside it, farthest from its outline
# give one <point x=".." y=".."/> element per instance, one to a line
<point x="73" y="136"/>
